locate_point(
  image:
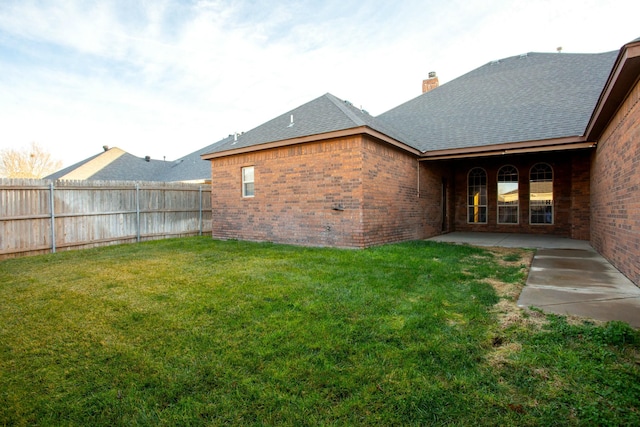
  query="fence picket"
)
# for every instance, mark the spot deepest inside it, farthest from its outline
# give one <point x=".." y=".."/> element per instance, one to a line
<point x="38" y="216"/>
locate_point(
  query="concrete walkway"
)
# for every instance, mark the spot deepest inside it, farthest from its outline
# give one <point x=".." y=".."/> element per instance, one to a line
<point x="566" y="277"/>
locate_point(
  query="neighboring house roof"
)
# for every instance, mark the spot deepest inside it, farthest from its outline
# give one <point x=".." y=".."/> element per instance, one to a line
<point x="320" y="116"/>
<point x="529" y="97"/>
<point x="112" y="164"/>
<point x="189" y="168"/>
<point x="73" y="168"/>
<point x="117" y="165"/>
<point x="128" y="167"/>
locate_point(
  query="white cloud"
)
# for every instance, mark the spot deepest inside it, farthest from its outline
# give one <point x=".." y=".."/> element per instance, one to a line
<point x="164" y="78"/>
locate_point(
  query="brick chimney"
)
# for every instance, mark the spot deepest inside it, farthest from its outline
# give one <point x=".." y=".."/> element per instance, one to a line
<point x="430" y="83"/>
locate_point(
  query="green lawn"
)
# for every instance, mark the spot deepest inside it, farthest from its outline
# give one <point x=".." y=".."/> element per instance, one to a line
<point x="200" y="332"/>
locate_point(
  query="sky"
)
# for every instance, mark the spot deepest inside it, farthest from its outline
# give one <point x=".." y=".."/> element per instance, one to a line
<point x="165" y="78"/>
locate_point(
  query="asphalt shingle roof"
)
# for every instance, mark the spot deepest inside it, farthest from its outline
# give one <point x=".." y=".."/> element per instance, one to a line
<point x="188" y="168"/>
<point x="62" y="172"/>
<point x="321" y="115"/>
<point x="522" y="98"/>
<point x="130" y="168"/>
<point x="527" y="97"/>
<point x="127" y="167"/>
<point x="113" y="164"/>
<point x="123" y="166"/>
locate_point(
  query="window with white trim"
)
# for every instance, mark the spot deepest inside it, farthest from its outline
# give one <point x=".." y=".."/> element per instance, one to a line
<point x="477" y="196"/>
<point x="541" y="194"/>
<point x="247" y="181"/>
<point x="508" y="203"/>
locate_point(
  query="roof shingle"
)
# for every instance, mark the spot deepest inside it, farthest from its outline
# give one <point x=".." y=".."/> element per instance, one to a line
<point x="321" y="115"/>
<point x="522" y="98"/>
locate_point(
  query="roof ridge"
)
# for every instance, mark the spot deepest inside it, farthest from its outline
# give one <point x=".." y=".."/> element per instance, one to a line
<point x="541" y="96"/>
<point x="549" y="54"/>
<point x="97" y="163"/>
<point x="344" y="107"/>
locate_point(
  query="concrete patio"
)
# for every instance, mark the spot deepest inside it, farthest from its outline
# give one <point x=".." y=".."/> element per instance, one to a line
<point x="567" y="276"/>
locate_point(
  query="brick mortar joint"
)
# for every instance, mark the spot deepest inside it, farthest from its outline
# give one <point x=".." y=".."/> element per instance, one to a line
<point x="621" y="121"/>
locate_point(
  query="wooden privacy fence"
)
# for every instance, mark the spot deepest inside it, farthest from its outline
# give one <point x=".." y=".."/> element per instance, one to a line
<point x="38" y="216"/>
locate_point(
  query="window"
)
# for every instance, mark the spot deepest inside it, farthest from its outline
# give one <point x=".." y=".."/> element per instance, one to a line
<point x="508" y="195"/>
<point x="541" y="194"/>
<point x="247" y="182"/>
<point x="477" y="196"/>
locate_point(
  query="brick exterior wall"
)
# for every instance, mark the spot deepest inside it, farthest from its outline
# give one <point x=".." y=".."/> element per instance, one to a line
<point x="570" y="188"/>
<point x="396" y="206"/>
<point x="615" y="190"/>
<point x="346" y="192"/>
<point x="580" y="211"/>
<point x="357" y="192"/>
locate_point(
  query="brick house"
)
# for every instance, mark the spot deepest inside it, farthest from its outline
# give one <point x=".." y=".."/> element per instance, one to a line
<point x="535" y="143"/>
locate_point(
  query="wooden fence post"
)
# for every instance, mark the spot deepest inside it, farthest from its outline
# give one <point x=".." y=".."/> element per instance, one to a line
<point x="200" y="218"/>
<point x="53" y="218"/>
<point x="137" y="212"/>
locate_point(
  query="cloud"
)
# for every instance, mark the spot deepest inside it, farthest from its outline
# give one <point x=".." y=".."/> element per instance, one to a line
<point x="167" y="77"/>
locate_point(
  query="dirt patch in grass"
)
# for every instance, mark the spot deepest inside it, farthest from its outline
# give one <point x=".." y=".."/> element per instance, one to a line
<point x="509" y="314"/>
<point x="507" y="310"/>
<point x="501" y="355"/>
<point x="511" y="256"/>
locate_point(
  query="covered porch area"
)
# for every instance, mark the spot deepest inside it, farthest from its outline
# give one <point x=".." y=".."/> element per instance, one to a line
<point x="536" y="193"/>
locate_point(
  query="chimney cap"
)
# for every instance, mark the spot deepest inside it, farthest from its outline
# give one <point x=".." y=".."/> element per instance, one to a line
<point x="432" y="74"/>
<point x="147" y="158"/>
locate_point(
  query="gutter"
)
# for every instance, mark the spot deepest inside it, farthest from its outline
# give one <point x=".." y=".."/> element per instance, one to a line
<point x="624" y="76"/>
<point x="360" y="130"/>
<point x="524" y="147"/>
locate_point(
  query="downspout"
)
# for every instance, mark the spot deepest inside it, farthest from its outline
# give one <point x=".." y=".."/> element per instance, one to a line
<point x="418" y="164"/>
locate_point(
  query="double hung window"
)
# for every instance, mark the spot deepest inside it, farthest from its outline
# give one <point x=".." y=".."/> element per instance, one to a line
<point x="247" y="182"/>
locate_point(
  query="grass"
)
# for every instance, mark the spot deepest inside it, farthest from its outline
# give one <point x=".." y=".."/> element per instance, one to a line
<point x="201" y="332"/>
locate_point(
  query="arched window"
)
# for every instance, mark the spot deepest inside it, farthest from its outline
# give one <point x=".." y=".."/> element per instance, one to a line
<point x="508" y="203"/>
<point x="541" y="194"/>
<point x="477" y="196"/>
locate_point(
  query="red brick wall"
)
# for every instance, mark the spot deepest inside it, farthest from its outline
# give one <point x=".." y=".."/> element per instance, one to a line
<point x="348" y="192"/>
<point x="396" y="207"/>
<point x="615" y="190"/>
<point x="571" y="194"/>
<point x="298" y="191"/>
<point x="580" y="211"/>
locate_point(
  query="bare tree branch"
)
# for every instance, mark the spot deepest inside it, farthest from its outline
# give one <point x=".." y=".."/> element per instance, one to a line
<point x="32" y="162"/>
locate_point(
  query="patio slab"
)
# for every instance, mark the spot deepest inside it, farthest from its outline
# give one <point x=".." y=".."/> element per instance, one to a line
<point x="513" y="240"/>
<point x="566" y="277"/>
<point x="582" y="283"/>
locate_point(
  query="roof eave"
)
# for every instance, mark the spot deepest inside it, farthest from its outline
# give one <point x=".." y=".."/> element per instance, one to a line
<point x="624" y="75"/>
<point x="360" y="130"/>
<point x="523" y="147"/>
